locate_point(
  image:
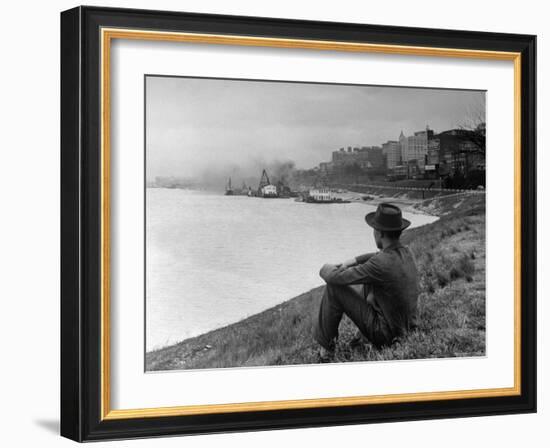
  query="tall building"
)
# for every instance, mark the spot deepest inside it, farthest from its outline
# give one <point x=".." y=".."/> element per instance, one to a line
<point x="432" y="157"/>
<point x="415" y="147"/>
<point x="392" y="151"/>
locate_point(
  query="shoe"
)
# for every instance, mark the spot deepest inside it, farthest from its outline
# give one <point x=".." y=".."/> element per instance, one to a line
<point x="326" y="355"/>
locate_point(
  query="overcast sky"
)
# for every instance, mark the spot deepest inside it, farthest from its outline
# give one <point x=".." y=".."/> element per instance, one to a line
<point x="194" y="125"/>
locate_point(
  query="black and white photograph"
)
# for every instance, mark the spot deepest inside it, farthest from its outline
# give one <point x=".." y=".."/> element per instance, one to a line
<point x="301" y="223"/>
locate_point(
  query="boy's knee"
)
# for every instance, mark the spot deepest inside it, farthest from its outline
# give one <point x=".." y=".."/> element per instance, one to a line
<point x="334" y="290"/>
<point x="331" y="293"/>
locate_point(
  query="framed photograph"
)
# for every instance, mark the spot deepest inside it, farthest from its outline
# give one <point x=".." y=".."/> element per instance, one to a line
<point x="273" y="223"/>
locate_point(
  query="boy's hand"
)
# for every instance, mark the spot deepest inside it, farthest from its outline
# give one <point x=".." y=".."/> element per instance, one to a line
<point x="349" y="263"/>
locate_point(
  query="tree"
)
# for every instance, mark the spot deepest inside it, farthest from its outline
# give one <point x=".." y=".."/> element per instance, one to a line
<point x="475" y="125"/>
<point x="477" y="136"/>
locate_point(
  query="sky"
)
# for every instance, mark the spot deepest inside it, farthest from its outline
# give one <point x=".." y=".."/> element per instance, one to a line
<point x="196" y="126"/>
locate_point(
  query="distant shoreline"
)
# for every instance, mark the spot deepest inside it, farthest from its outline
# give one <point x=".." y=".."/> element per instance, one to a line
<point x="407" y="198"/>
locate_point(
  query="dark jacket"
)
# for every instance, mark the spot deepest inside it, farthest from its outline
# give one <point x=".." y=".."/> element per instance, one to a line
<point x="392" y="277"/>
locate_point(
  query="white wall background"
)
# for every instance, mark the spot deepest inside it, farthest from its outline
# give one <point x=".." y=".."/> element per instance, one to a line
<point x="29" y="228"/>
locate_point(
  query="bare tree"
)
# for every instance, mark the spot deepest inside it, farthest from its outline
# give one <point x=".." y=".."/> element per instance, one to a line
<point x="475" y="124"/>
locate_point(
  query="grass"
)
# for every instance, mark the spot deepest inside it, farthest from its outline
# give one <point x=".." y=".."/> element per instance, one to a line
<point x="450" y="255"/>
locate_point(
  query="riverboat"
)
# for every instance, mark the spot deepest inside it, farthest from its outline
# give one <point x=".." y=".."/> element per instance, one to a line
<point x="323" y="196"/>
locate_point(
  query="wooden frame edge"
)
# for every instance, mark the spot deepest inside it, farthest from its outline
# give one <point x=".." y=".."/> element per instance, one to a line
<point x="107" y="34"/>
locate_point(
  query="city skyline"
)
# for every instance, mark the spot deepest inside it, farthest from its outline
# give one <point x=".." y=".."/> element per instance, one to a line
<point x="199" y="127"/>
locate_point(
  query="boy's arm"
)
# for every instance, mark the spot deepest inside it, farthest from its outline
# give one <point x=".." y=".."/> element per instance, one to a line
<point x="369" y="272"/>
<point x="358" y="260"/>
<point x="364" y="258"/>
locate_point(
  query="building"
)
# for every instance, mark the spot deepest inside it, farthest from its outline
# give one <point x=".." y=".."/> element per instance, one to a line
<point x="431" y="168"/>
<point x="326" y="167"/>
<point x="374" y="156"/>
<point x="415" y="147"/>
<point x="432" y="157"/>
<point x="391" y="151"/>
<point x="457" y="153"/>
<point x="365" y="157"/>
<point x="421" y="155"/>
<point x="398" y="172"/>
<point x="343" y="157"/>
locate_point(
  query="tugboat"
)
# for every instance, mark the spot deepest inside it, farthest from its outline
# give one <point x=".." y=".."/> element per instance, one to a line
<point x="228" y="189"/>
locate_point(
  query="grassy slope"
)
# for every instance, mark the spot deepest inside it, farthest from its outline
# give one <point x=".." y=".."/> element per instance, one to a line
<point x="450" y="254"/>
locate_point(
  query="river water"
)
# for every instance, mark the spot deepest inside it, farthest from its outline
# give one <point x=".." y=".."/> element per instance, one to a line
<point x="212" y="260"/>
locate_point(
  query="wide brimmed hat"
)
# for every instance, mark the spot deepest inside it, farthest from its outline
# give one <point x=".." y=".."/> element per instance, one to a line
<point x="387" y="217"/>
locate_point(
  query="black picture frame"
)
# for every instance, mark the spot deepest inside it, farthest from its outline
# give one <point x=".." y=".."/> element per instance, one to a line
<point x="81" y="414"/>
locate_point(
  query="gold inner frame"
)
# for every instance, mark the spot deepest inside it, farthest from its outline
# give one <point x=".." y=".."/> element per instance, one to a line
<point x="107" y="35"/>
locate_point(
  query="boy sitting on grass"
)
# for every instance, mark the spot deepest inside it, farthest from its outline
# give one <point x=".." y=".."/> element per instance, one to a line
<point x="378" y="291"/>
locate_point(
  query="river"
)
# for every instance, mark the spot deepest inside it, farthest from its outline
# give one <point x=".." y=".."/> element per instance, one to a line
<point x="212" y="260"/>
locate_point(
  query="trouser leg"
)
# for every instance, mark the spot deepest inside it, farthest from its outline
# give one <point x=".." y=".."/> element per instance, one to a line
<point x="336" y="301"/>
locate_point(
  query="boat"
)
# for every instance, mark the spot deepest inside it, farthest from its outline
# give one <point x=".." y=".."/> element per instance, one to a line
<point x="311" y="200"/>
<point x="323" y="195"/>
<point x="266" y="189"/>
<point x="229" y="189"/>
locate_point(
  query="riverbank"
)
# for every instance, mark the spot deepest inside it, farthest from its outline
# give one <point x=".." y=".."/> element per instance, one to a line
<point x="420" y="200"/>
<point x="450" y="255"/>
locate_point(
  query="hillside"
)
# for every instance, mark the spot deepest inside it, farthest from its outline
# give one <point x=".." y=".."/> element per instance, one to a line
<point x="450" y="254"/>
